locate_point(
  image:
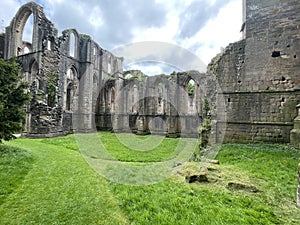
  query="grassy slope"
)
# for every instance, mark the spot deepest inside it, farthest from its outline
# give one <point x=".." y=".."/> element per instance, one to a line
<point x="15" y="163"/>
<point x="61" y="188"/>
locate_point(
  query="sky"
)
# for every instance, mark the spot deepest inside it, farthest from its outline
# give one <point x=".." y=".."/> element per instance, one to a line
<point x="203" y="27"/>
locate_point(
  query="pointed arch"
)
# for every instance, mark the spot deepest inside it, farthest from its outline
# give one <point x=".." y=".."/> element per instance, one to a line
<point x="71" y="83"/>
<point x="33" y="71"/>
<point x="28" y="13"/>
<point x="72" y="45"/>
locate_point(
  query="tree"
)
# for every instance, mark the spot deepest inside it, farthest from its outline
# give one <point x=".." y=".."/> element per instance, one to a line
<point x="12" y="99"/>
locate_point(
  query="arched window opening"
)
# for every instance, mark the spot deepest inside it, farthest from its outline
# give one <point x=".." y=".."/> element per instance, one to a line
<point x="191" y="88"/>
<point x="27" y="35"/>
<point x="33" y="71"/>
<point x="26" y="50"/>
<point x="49" y="45"/>
<point x="71" y="74"/>
<point x="128" y="76"/>
<point x="68" y="97"/>
<point x="191" y="95"/>
<point x="109" y="68"/>
<point x="134" y="101"/>
<point x="28" y="30"/>
<point x="72" y="45"/>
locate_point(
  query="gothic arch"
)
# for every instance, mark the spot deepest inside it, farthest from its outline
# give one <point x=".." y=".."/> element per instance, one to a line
<point x="33" y="71"/>
<point x="71" y="83"/>
<point x="72" y="42"/>
<point x="17" y="28"/>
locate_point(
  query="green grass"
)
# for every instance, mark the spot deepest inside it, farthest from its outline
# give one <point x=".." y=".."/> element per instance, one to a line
<point x="56" y="186"/>
<point x="60" y="188"/>
<point x="123" y="153"/>
<point x="15" y="163"/>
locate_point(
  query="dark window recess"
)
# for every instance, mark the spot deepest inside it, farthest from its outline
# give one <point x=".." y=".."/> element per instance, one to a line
<point x="283" y="79"/>
<point x="283" y="100"/>
<point x="239" y="82"/>
<point x="295" y="56"/>
<point x="229" y="100"/>
<point x="276" y="54"/>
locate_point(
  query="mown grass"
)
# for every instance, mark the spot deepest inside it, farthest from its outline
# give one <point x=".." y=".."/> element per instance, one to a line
<point x="163" y="149"/>
<point x="60" y="188"/>
<point x="15" y="163"/>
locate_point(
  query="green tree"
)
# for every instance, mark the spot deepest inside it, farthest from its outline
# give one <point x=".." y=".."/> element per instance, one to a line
<point x="12" y="99"/>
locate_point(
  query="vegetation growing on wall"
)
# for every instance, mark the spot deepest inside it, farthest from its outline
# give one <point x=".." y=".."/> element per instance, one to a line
<point x="52" y="84"/>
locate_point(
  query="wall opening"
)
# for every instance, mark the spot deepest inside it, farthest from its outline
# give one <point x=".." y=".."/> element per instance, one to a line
<point x="72" y="45"/>
<point x="191" y="88"/>
<point x="27" y="35"/>
<point x="72" y="82"/>
<point x="276" y="54"/>
<point x="191" y="94"/>
<point x="49" y="45"/>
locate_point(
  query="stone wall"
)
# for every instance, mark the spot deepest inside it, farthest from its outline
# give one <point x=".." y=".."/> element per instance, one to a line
<point x="259" y="76"/>
<point x="64" y="72"/>
<point x="152" y="104"/>
<point x="252" y="87"/>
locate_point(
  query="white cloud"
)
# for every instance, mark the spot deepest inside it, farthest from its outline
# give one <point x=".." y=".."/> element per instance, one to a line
<point x="8" y="9"/>
<point x="201" y="26"/>
<point x="218" y="32"/>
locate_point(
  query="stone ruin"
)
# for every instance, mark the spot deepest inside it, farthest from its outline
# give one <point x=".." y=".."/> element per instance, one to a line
<point x="71" y="76"/>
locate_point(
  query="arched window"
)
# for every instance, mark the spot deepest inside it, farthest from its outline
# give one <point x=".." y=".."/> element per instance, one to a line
<point x="71" y="74"/>
<point x="49" y="45"/>
<point x="28" y="30"/>
<point x="128" y="76"/>
<point x="72" y="45"/>
<point x="191" y="88"/>
<point x="34" y="70"/>
<point x="108" y="67"/>
<point x="191" y="93"/>
<point x="26" y="50"/>
<point x="70" y="89"/>
<point x="27" y="34"/>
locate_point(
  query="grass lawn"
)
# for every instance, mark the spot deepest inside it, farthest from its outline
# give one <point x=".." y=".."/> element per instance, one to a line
<point x="47" y="181"/>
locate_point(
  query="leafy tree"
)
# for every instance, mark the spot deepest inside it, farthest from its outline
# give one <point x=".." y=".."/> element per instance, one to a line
<point x="12" y="99"/>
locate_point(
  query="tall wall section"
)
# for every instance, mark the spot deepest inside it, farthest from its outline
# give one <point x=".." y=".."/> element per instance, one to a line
<point x="260" y="75"/>
<point x="168" y="105"/>
<point x="65" y="73"/>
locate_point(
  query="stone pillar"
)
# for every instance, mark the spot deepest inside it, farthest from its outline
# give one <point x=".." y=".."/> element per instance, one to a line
<point x="295" y="133"/>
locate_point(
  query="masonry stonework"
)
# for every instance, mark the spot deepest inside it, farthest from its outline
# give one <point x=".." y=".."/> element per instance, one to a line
<point x="260" y="75"/>
<point x="72" y="77"/>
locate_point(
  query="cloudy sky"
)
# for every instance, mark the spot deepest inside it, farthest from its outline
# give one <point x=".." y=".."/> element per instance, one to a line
<point x="202" y="27"/>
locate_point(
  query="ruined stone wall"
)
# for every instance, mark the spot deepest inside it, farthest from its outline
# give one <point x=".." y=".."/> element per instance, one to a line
<point x="64" y="73"/>
<point x="260" y="76"/>
<point x="152" y="104"/>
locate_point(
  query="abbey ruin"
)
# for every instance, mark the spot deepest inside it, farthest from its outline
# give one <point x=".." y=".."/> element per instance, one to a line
<point x="71" y="76"/>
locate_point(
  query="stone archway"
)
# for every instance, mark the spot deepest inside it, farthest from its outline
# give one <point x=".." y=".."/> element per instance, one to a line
<point x="71" y="83"/>
<point x="16" y="30"/>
